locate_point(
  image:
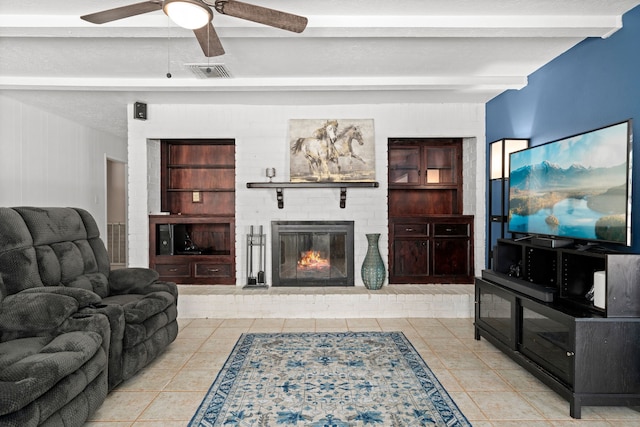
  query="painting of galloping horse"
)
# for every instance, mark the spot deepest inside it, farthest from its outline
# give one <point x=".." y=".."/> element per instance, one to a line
<point x="331" y="150"/>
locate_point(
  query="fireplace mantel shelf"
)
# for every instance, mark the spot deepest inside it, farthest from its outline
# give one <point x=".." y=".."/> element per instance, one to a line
<point x="279" y="186"/>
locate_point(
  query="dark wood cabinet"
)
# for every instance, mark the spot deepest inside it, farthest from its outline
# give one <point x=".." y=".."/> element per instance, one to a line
<point x="430" y="241"/>
<point x="436" y="249"/>
<point x="193" y="249"/>
<point x="195" y="244"/>
<point x="538" y="315"/>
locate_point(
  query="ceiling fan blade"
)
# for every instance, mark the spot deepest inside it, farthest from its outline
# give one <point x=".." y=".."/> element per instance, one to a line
<point x="209" y="41"/>
<point x="262" y="15"/>
<point x="123" y="12"/>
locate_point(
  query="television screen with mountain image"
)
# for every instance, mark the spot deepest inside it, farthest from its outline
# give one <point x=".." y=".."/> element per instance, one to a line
<point x="577" y="187"/>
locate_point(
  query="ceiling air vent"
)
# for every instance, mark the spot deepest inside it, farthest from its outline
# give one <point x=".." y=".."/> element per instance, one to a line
<point x="209" y="71"/>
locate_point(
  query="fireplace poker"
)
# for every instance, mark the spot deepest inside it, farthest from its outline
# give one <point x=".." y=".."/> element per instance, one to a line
<point x="260" y="270"/>
<point x="251" y="280"/>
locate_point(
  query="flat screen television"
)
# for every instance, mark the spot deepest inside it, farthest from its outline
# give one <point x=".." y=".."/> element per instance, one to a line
<point x="575" y="188"/>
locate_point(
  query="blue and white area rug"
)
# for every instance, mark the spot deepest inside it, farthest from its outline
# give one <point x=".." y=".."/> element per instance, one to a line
<point x="326" y="380"/>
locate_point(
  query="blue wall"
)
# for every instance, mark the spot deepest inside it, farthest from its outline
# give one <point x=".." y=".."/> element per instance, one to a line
<point x="594" y="84"/>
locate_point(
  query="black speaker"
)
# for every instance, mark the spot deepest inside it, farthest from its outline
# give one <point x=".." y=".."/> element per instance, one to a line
<point x="165" y="239"/>
<point x="140" y="111"/>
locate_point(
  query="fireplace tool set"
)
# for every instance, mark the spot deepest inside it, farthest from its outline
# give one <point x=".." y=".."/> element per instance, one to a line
<point x="256" y="242"/>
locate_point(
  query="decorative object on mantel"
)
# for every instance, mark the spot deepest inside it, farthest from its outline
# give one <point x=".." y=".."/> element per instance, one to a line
<point x="373" y="271"/>
<point x="342" y="185"/>
<point x="271" y="173"/>
<point x="332" y="150"/>
<point x="256" y="241"/>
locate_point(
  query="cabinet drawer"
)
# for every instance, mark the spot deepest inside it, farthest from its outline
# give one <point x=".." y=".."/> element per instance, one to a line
<point x="213" y="270"/>
<point x="410" y="229"/>
<point x="451" y="229"/>
<point x="173" y="270"/>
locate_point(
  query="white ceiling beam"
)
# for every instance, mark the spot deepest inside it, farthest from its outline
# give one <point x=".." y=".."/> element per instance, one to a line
<point x="157" y="25"/>
<point x="493" y="83"/>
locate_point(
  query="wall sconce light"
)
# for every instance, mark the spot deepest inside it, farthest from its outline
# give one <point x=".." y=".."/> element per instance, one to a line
<point x="191" y="14"/>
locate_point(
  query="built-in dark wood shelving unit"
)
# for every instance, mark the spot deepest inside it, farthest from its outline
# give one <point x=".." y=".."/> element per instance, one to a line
<point x="280" y="186"/>
<point x="195" y="243"/>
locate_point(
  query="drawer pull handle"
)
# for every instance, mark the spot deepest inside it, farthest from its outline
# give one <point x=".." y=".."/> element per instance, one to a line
<point x="213" y="270"/>
<point x="408" y="229"/>
<point x="570" y="353"/>
<point x="449" y="229"/>
<point x="173" y="270"/>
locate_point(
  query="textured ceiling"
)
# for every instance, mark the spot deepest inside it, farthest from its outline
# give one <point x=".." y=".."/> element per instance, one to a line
<point x="355" y="52"/>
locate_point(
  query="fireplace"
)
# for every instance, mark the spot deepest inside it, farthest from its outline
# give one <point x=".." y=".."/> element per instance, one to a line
<point x="312" y="253"/>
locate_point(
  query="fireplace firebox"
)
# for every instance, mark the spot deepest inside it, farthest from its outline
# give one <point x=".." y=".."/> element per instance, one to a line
<point x="312" y="253"/>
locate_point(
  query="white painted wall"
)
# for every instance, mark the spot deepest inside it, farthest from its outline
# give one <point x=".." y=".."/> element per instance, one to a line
<point x="46" y="160"/>
<point x="261" y="135"/>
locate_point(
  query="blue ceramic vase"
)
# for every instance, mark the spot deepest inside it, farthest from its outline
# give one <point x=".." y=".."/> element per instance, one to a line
<point x="373" y="271"/>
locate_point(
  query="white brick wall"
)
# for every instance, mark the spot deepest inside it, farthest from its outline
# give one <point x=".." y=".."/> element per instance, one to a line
<point x="261" y="135"/>
<point x="47" y="160"/>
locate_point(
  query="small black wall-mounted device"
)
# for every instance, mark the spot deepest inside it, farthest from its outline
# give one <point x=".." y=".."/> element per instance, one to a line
<point x="140" y="111"/>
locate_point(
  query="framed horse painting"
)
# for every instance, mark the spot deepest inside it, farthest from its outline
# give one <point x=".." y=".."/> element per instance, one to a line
<point x="333" y="150"/>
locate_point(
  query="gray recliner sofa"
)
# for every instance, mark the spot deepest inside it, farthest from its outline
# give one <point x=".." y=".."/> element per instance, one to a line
<point x="53" y="359"/>
<point x="49" y="254"/>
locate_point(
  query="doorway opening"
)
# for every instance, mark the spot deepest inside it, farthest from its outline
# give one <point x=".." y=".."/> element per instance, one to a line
<point x="116" y="238"/>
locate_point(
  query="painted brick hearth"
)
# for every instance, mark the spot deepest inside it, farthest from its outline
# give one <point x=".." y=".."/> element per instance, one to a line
<point x="433" y="301"/>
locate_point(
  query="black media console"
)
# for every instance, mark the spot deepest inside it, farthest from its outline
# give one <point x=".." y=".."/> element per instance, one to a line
<point x="535" y="306"/>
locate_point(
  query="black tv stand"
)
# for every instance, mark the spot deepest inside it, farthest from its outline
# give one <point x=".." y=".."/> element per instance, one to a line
<point x="588" y="355"/>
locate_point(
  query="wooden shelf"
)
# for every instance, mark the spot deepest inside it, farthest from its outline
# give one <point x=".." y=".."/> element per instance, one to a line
<point x="204" y="190"/>
<point x="198" y="166"/>
<point x="279" y="186"/>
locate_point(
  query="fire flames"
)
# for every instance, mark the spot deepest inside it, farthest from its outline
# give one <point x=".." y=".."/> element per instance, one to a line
<point x="313" y="260"/>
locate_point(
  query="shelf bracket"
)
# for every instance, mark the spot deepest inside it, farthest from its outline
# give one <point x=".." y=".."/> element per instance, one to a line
<point x="279" y="186"/>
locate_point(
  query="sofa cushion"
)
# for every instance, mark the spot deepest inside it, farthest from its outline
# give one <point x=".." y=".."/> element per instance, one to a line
<point x="31" y="366"/>
<point x="67" y="247"/>
<point x="53" y="225"/>
<point x="18" y="262"/>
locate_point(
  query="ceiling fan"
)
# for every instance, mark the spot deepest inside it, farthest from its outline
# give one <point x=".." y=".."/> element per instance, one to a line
<point x="196" y="15"/>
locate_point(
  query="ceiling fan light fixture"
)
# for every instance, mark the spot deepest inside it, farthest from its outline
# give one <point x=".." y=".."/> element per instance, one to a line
<point x="191" y="14"/>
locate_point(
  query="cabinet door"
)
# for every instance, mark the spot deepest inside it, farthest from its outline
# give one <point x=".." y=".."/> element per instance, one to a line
<point x="411" y="257"/>
<point x="451" y="257"/>
<point x="440" y="165"/>
<point x="404" y="166"/>
<point x="496" y="312"/>
<point x="548" y="338"/>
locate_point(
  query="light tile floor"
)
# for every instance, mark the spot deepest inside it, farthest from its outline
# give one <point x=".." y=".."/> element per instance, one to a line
<point x="490" y="389"/>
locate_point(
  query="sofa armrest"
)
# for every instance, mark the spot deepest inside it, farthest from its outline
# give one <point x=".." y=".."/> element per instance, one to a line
<point x="94" y="322"/>
<point x="131" y="280"/>
<point x="160" y="286"/>
<point x="35" y="312"/>
<point x="84" y="297"/>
